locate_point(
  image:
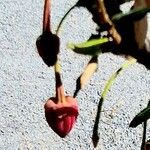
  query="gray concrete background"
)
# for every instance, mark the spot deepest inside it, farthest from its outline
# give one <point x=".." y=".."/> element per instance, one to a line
<point x="26" y="83"/>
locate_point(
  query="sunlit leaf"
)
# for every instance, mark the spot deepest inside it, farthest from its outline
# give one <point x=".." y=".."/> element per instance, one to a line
<point x="91" y="47"/>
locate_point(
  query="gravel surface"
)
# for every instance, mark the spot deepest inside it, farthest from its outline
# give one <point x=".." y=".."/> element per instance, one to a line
<point x="26" y="84"/>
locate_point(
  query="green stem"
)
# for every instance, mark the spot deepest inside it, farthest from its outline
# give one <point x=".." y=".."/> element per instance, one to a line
<point x="113" y="76"/>
<point x="57" y="67"/>
<point x="58" y="28"/>
<point x="59" y="86"/>
<point x="109" y="83"/>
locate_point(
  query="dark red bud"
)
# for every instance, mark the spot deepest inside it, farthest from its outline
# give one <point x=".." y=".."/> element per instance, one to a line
<point x="48" y="43"/>
<point x="48" y="47"/>
<point x="61" y="116"/>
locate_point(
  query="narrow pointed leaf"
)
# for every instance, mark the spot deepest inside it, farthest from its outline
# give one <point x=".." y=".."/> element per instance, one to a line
<point x="143" y="116"/>
<point x="91" y="47"/>
<point x="134" y="14"/>
<point x="111" y="80"/>
<point x="107" y="87"/>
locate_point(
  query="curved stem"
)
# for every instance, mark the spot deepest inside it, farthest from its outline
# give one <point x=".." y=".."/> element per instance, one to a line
<point x="46" y="16"/>
<point x="58" y="28"/>
<point x="113" y="76"/>
<point x="108" y="85"/>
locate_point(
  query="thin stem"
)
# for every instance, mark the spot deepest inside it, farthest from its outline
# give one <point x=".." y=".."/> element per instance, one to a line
<point x="104" y="19"/>
<point x="109" y="83"/>
<point x="46" y="16"/>
<point x="95" y="136"/>
<point x="144" y="132"/>
<point x="113" y="77"/>
<point x="144" y="136"/>
<point x="59" y="86"/>
<point x="58" y="28"/>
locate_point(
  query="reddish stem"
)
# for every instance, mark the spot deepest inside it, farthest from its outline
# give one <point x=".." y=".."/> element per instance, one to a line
<point x="104" y="18"/>
<point x="46" y="16"/>
<point x="60" y="96"/>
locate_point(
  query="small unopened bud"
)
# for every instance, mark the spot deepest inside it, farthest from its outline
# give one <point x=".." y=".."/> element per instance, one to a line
<point x="48" y="43"/>
<point x="48" y="47"/>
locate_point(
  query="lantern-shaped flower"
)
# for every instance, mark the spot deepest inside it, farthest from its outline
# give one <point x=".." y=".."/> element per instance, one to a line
<point x="61" y="111"/>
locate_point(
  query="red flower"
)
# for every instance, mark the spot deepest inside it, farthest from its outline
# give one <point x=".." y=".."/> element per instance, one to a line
<point x="61" y="112"/>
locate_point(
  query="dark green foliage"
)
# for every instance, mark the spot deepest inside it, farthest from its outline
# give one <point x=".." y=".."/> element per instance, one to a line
<point x="143" y="116"/>
<point x="132" y="15"/>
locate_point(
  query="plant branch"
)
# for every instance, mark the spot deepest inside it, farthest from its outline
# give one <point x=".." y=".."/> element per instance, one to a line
<point x="58" y="28"/>
<point x="104" y="19"/>
<point x="95" y="137"/>
<point x="113" y="76"/>
<point x="59" y="86"/>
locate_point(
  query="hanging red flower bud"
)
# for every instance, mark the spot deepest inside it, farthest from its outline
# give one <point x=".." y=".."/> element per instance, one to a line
<point x="61" y="111"/>
<point x="48" y="43"/>
<point x="61" y="116"/>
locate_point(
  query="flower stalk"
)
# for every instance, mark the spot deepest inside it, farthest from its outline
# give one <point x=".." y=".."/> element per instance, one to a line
<point x="61" y="111"/>
<point x="95" y="136"/>
<point x="60" y="93"/>
<point x="104" y="19"/>
<point x="46" y="16"/>
<point x="111" y="80"/>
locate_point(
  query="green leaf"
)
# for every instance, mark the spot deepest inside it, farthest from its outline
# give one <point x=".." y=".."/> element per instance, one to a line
<point x="134" y="14"/>
<point x="91" y="47"/>
<point x="143" y="116"/>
